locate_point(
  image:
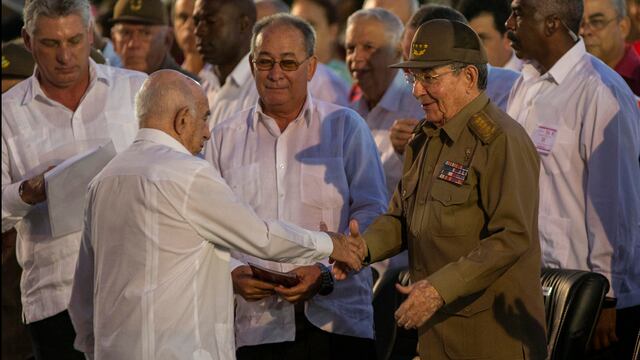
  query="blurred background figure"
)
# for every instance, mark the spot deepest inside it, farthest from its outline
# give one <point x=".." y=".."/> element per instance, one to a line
<point x="265" y="8"/>
<point x="142" y="37"/>
<point x="401" y="8"/>
<point x="323" y="17"/>
<point x="605" y="26"/>
<point x="633" y="10"/>
<point x="487" y="18"/>
<point x="184" y="31"/>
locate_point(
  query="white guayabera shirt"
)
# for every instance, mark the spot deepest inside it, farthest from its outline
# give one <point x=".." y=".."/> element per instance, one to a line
<point x="153" y="279"/>
<point x="33" y="127"/>
<point x="323" y="167"/>
<point x="585" y="123"/>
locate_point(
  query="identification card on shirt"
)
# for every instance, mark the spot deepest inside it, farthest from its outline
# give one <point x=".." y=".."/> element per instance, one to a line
<point x="543" y="138"/>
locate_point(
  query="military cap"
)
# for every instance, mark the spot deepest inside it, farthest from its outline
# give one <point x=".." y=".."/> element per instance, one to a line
<point x="440" y="42"/>
<point x="149" y="12"/>
<point x="17" y="61"/>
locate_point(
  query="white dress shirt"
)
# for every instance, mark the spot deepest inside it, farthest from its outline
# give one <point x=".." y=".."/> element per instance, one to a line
<point x="514" y="63"/>
<point x="499" y="84"/>
<point x="34" y="128"/>
<point x="584" y="121"/>
<point x="239" y="90"/>
<point x="323" y="167"/>
<point x="152" y="280"/>
<point x="397" y="102"/>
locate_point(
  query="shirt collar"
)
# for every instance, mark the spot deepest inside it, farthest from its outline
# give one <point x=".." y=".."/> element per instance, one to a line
<point x="305" y="114"/>
<point x="391" y="99"/>
<point x="160" y="137"/>
<point x="561" y="68"/>
<point x="242" y="71"/>
<point x="34" y="89"/>
<point x="453" y="128"/>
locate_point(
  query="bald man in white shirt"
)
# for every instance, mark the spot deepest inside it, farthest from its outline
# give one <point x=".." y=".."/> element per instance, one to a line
<point x="152" y="279"/>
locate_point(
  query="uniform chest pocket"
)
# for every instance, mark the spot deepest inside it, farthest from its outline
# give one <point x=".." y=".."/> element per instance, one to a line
<point x="447" y="207"/>
<point x="323" y="182"/>
<point x="245" y="182"/>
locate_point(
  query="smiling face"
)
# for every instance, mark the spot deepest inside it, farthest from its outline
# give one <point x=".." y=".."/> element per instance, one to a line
<point x="444" y="97"/>
<point x="369" y="54"/>
<point x="60" y="47"/>
<point x="282" y="91"/>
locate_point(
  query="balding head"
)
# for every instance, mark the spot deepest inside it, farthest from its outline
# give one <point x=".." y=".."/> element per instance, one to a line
<point x="401" y="8"/>
<point x="174" y="103"/>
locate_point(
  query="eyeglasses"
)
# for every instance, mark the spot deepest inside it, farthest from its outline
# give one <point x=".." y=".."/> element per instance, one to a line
<point x="285" y="64"/>
<point x="425" y="78"/>
<point x="596" y="24"/>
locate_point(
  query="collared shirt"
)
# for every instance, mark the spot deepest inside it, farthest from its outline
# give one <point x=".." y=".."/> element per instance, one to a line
<point x="590" y="179"/>
<point x="237" y="93"/>
<point x="514" y="63"/>
<point x="153" y="282"/>
<point x="396" y="103"/>
<point x="239" y="90"/>
<point x="34" y="130"/>
<point x="322" y="167"/>
<point x="629" y="68"/>
<point x="499" y="84"/>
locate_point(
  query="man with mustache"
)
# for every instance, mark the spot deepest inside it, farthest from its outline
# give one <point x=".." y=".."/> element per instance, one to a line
<point x="583" y="120"/>
<point x="466" y="209"/>
<point x="296" y="158"/>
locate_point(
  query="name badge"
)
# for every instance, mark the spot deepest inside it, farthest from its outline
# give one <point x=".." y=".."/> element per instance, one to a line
<point x="543" y="138"/>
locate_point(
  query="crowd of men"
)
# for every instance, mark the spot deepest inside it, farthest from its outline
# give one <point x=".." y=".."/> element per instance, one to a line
<point x="474" y="142"/>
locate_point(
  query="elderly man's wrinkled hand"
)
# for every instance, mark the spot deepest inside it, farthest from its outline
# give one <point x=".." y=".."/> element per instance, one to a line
<point x="423" y="301"/>
<point x="358" y="245"/>
<point x="400" y="133"/>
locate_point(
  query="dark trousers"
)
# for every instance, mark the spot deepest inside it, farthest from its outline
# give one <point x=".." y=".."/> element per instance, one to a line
<point x="311" y="344"/>
<point x="52" y="338"/>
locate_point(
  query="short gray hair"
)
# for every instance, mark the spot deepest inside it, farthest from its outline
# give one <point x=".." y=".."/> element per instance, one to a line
<point x="54" y="9"/>
<point x="569" y="11"/>
<point x="307" y="31"/>
<point x="620" y="6"/>
<point x="392" y="24"/>
<point x="483" y="72"/>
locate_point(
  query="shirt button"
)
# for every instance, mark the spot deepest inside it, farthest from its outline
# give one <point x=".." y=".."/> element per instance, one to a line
<point x="404" y="192"/>
<point x="281" y="166"/>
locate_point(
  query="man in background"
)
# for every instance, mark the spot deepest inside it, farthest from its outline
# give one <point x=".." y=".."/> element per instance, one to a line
<point x="605" y="26"/>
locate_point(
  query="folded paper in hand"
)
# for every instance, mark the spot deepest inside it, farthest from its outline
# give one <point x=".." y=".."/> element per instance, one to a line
<point x="66" y="187"/>
<point x="273" y="276"/>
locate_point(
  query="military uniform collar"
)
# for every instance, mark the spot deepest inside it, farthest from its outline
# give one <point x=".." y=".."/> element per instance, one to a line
<point x="453" y="128"/>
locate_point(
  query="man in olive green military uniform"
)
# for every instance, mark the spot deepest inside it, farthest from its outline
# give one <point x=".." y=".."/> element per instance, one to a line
<point x="466" y="208"/>
<point x="142" y="37"/>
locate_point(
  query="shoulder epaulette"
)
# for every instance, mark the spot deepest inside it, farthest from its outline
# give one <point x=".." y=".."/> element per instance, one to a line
<point x="484" y="127"/>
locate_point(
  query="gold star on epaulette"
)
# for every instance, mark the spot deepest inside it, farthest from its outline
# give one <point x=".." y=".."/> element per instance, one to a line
<point x="135" y="5"/>
<point x="484" y="127"/>
<point x="5" y="62"/>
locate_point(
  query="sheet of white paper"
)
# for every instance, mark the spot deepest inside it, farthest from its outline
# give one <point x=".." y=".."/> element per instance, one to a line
<point x="66" y="186"/>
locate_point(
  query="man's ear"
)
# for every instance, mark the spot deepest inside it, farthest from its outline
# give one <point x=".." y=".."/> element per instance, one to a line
<point x="625" y="26"/>
<point x="251" y="65"/>
<point x="551" y="25"/>
<point x="27" y="39"/>
<point x="180" y="120"/>
<point x="472" y="76"/>
<point x="313" y="63"/>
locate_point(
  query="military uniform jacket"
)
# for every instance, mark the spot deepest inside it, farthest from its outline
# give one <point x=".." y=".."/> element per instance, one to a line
<point x="467" y="208"/>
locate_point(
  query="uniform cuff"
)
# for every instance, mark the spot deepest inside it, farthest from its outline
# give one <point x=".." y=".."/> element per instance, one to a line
<point x="446" y="283"/>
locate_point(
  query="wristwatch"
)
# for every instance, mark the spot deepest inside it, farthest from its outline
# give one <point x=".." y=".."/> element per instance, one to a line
<point x="326" y="285"/>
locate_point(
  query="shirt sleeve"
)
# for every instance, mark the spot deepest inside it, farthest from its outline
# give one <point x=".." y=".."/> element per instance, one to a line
<point x="508" y="190"/>
<point x="367" y="188"/>
<point x="13" y="208"/>
<point x="610" y="148"/>
<point x="233" y="225"/>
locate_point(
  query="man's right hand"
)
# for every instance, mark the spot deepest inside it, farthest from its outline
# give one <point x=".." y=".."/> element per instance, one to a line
<point x="250" y="288"/>
<point x="347" y="250"/>
<point x="400" y="133"/>
<point x="33" y="190"/>
<point x="358" y="246"/>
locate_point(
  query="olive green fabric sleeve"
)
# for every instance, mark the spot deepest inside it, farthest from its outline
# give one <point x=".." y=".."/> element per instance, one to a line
<point x="384" y="237"/>
<point x="508" y="172"/>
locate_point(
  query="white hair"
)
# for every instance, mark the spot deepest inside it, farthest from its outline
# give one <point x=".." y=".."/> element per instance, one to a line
<point x="393" y="27"/>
